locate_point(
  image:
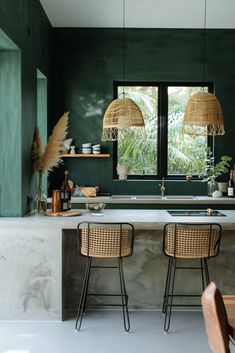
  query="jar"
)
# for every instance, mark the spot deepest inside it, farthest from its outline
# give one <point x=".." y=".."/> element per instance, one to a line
<point x="55" y="203"/>
<point x="72" y="150"/>
<point x="212" y="186"/>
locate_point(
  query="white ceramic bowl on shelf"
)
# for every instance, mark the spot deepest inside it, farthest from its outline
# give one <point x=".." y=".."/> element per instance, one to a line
<point x="86" y="150"/>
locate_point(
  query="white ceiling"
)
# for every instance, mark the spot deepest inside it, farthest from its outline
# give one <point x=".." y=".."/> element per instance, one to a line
<point x="140" y="13"/>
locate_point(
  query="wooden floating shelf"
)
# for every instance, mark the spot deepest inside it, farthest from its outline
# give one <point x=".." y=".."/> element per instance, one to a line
<point x="83" y="155"/>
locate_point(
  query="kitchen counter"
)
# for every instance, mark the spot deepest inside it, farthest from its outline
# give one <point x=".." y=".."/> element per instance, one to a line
<point x="40" y="269"/>
<point x="155" y="199"/>
<point x="141" y="219"/>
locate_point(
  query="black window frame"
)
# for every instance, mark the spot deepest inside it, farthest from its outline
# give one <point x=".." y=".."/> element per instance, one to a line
<point x="162" y="140"/>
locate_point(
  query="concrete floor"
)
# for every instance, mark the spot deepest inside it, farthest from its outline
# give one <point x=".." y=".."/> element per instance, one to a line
<point x="102" y="332"/>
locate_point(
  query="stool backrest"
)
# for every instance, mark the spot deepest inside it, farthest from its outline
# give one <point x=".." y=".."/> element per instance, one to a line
<point x="215" y="318"/>
<point x="185" y="240"/>
<point x="105" y="240"/>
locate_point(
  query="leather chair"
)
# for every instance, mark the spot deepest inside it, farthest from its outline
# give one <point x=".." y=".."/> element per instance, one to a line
<point x="215" y="318"/>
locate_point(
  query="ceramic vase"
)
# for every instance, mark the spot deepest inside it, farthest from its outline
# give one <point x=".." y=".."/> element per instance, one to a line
<point x="122" y="171"/>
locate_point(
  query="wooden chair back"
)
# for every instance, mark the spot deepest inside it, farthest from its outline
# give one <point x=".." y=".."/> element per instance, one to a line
<point x="215" y="318"/>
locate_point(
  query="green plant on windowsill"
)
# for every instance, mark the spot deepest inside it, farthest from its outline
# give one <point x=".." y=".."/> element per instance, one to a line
<point x="208" y="170"/>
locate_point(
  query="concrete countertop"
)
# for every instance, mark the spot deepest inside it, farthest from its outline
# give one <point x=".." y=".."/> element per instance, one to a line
<point x="141" y="219"/>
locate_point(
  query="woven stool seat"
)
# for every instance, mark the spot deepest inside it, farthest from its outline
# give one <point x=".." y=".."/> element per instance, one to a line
<point x="191" y="241"/>
<point x="183" y="242"/>
<point x="105" y="242"/>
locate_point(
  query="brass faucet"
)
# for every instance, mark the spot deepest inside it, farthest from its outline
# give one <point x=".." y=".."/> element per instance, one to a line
<point x="162" y="187"/>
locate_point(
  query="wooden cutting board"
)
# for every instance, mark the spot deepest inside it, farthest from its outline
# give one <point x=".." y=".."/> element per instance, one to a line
<point x="63" y="214"/>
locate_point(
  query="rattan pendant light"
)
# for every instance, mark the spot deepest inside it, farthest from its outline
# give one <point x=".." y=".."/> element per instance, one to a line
<point x="123" y="118"/>
<point x="203" y="114"/>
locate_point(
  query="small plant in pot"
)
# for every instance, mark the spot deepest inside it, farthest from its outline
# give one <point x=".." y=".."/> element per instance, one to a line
<point x="123" y="169"/>
<point x="210" y="171"/>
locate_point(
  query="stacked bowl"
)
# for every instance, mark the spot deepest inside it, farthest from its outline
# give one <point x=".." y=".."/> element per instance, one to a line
<point x="86" y="148"/>
<point x="96" y="149"/>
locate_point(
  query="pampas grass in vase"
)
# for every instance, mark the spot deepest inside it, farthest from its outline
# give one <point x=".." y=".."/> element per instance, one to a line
<point x="45" y="158"/>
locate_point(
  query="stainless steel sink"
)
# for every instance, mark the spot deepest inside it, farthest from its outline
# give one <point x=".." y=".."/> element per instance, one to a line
<point x="154" y="197"/>
<point x="197" y="213"/>
<point x="180" y="197"/>
<point x="137" y="197"/>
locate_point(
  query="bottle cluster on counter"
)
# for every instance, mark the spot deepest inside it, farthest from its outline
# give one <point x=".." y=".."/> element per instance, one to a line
<point x="61" y="199"/>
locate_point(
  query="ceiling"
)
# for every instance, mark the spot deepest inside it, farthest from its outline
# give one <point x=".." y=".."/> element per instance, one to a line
<point x="141" y="13"/>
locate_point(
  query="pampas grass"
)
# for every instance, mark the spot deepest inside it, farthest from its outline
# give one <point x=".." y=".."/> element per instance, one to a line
<point x="46" y="158"/>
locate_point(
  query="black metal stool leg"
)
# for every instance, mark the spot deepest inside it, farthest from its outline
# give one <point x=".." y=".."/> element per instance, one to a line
<point x="88" y="279"/>
<point x="124" y="297"/>
<point x="206" y="271"/>
<point x="202" y="273"/>
<point x="166" y="292"/>
<point x="169" y="296"/>
<point x="83" y="295"/>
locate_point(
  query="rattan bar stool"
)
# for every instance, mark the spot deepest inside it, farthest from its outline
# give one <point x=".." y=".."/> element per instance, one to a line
<point x="185" y="241"/>
<point x="108" y="241"/>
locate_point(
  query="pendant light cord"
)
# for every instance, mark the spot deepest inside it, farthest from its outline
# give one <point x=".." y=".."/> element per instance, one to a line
<point x="204" y="70"/>
<point x="204" y="45"/>
<point x="123" y="47"/>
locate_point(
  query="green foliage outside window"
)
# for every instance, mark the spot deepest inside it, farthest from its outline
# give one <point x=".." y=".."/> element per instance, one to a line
<point x="184" y="152"/>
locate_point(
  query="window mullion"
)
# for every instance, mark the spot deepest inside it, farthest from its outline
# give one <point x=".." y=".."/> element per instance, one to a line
<point x="162" y="131"/>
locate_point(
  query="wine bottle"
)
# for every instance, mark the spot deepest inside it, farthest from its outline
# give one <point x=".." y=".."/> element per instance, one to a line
<point x="231" y="185"/>
<point x="65" y="193"/>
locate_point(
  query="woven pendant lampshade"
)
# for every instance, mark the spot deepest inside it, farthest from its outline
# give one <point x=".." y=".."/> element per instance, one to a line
<point x="123" y="118"/>
<point x="203" y="115"/>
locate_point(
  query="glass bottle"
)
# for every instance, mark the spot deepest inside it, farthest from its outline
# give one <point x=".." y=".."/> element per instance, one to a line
<point x="65" y="193"/>
<point x="231" y="185"/>
<point x="40" y="197"/>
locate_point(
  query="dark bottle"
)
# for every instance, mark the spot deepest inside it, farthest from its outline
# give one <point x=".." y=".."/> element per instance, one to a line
<point x="231" y="185"/>
<point x="65" y="193"/>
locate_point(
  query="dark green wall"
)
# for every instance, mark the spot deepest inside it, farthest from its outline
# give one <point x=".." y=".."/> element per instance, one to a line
<point x="25" y="23"/>
<point x="86" y="61"/>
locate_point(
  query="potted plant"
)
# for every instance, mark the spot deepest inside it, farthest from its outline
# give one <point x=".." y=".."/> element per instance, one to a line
<point x="210" y="171"/>
<point x="45" y="158"/>
<point x="123" y="169"/>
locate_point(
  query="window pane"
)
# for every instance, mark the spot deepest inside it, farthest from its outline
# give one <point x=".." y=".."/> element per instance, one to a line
<point x="141" y="154"/>
<point x="184" y="151"/>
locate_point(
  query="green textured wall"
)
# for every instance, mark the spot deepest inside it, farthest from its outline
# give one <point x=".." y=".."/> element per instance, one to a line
<point x="42" y="114"/>
<point x="86" y="61"/>
<point x="10" y="148"/>
<point x="24" y="23"/>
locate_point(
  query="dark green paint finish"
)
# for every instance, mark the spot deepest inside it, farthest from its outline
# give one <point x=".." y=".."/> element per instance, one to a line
<point x="85" y="64"/>
<point x="87" y="61"/>
<point x="10" y="143"/>
<point x="26" y="24"/>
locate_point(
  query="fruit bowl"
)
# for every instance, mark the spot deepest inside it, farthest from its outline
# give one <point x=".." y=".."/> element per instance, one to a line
<point x="95" y="207"/>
